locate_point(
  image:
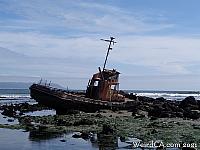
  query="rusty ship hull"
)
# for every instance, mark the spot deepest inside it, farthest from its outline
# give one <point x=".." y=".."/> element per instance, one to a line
<point x="62" y="100"/>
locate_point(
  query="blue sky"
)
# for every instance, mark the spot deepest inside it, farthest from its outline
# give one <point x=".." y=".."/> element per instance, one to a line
<point x="157" y="41"/>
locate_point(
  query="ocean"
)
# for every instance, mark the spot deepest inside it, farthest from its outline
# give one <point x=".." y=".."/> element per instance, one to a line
<point x="8" y="96"/>
<point x="19" y="139"/>
<point x="169" y="95"/>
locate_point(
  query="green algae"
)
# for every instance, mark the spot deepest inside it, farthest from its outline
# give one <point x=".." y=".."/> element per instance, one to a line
<point x="169" y="130"/>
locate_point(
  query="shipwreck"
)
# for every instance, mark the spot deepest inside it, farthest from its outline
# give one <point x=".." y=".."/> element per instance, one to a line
<point x="102" y="92"/>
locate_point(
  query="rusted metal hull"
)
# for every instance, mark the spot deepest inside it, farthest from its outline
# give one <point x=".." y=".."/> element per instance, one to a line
<point x="63" y="101"/>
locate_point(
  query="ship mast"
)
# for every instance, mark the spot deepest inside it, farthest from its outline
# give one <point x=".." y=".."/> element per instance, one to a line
<point x="111" y="41"/>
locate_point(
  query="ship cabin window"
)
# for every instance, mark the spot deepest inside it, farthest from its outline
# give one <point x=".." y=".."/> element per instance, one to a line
<point x="96" y="83"/>
<point x="113" y="87"/>
<point x="115" y="77"/>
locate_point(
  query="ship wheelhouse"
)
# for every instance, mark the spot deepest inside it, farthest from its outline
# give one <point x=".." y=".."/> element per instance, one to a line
<point x="104" y="85"/>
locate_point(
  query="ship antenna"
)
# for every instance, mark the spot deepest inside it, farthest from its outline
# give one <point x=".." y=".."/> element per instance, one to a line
<point x="111" y="41"/>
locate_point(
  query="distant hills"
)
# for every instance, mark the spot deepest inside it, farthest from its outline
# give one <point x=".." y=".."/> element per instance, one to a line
<point x="14" y="85"/>
<point x="21" y="85"/>
<point x="6" y="53"/>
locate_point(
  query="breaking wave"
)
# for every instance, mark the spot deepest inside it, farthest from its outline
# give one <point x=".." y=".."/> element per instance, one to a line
<point x="168" y="95"/>
<point x="14" y="96"/>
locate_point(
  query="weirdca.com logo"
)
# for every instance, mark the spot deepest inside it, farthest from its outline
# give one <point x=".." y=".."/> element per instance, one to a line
<point x="156" y="144"/>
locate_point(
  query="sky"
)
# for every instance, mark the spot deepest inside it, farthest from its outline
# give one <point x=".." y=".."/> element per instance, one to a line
<point x="158" y="42"/>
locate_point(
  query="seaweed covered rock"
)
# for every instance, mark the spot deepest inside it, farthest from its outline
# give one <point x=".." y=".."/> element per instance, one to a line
<point x="82" y="135"/>
<point x="107" y="138"/>
<point x="84" y="122"/>
<point x="165" y="110"/>
<point x="107" y="129"/>
<point x="132" y="96"/>
<point x="9" y="111"/>
<point x="61" y="122"/>
<point x="155" y="111"/>
<point x="124" y="93"/>
<point x="145" y="99"/>
<point x="160" y="99"/>
<point x="26" y="120"/>
<point x="192" y="114"/>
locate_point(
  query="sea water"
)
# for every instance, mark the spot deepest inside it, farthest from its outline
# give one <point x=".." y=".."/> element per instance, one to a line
<point x="8" y="96"/>
<point x="169" y="95"/>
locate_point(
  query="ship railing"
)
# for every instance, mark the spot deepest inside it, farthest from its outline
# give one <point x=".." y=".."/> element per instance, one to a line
<point x="99" y="102"/>
<point x="82" y="99"/>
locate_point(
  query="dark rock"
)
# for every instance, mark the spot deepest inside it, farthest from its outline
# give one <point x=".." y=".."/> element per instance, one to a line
<point x="61" y="122"/>
<point x="21" y="113"/>
<point x="134" y="111"/>
<point x="192" y="114"/>
<point x="189" y="103"/>
<point x="25" y="121"/>
<point x="154" y="131"/>
<point x="172" y="106"/>
<point x="153" y="118"/>
<point x="146" y="107"/>
<point x="145" y="99"/>
<point x="196" y="126"/>
<point x="10" y="120"/>
<point x="139" y="116"/>
<point x="107" y="129"/>
<point x="160" y="99"/>
<point x="189" y="100"/>
<point x="155" y="111"/>
<point x="72" y="112"/>
<point x="124" y="93"/>
<point x="102" y="111"/>
<point x="99" y="115"/>
<point x="132" y="96"/>
<point x="84" y="135"/>
<point x="166" y="106"/>
<point x="166" y="109"/>
<point x="179" y="114"/>
<point x="122" y="138"/>
<point x="42" y="127"/>
<point x="9" y="111"/>
<point x="63" y="140"/>
<point x="76" y="136"/>
<point x="165" y="114"/>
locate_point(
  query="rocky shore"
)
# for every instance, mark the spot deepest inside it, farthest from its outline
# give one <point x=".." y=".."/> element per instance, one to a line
<point x="188" y="108"/>
<point x="149" y="119"/>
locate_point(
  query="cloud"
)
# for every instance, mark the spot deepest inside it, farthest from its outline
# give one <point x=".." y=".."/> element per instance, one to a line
<point x="77" y="15"/>
<point x="168" y="55"/>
